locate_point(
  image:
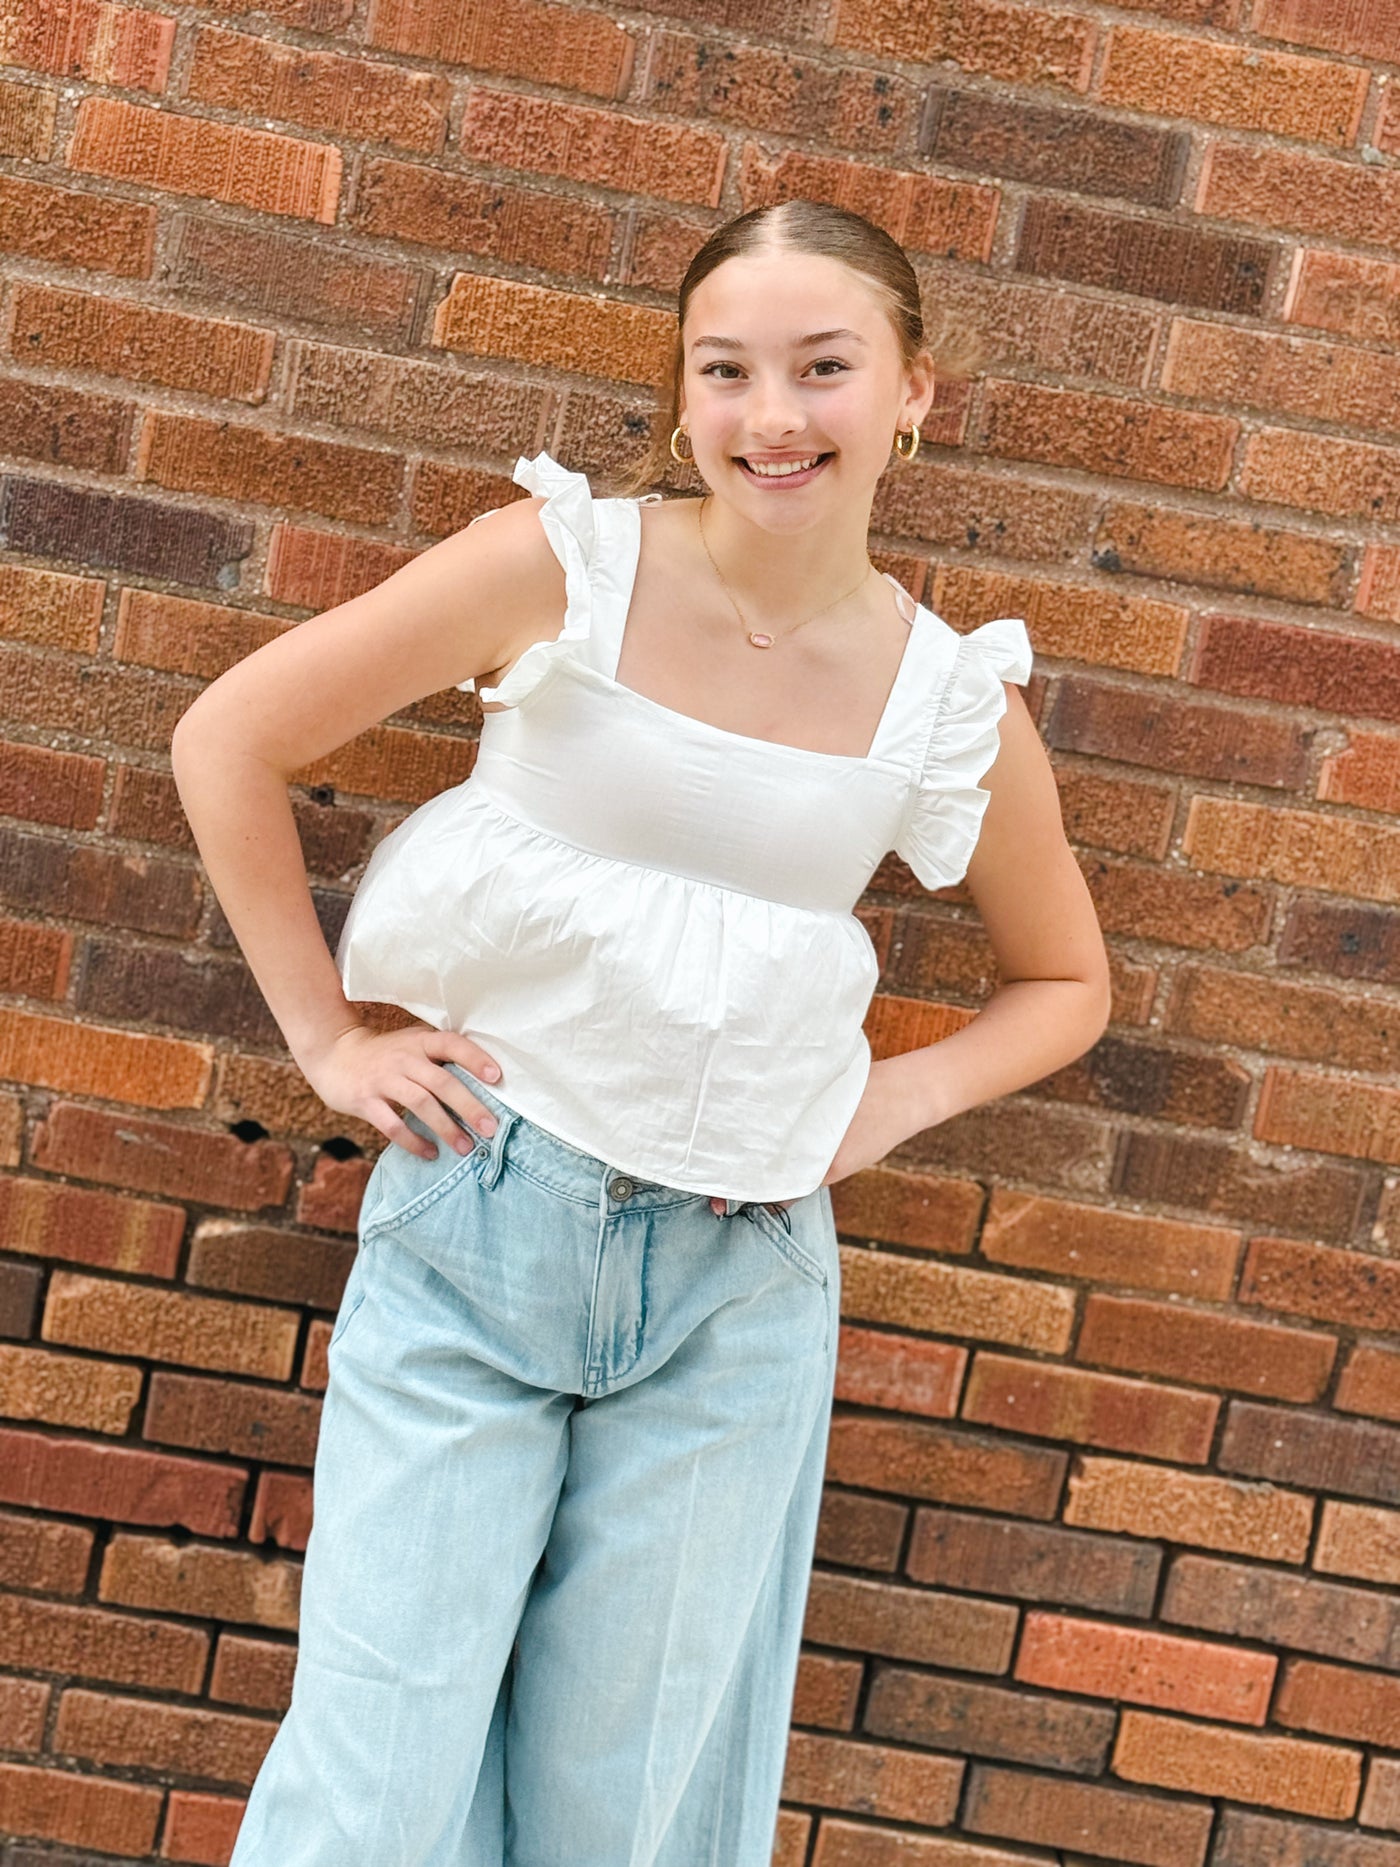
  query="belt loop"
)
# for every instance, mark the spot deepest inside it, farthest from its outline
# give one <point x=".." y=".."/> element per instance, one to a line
<point x="495" y="1145"/>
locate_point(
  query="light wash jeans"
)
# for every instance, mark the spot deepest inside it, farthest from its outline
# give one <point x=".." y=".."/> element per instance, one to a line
<point x="566" y="1493"/>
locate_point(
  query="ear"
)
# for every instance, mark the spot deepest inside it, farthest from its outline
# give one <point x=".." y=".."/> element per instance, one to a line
<point x="922" y="378"/>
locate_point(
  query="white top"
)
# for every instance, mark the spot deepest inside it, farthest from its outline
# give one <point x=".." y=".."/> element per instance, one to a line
<point x="646" y="919"/>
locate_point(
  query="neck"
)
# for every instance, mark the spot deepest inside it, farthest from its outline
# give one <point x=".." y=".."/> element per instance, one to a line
<point x="783" y="577"/>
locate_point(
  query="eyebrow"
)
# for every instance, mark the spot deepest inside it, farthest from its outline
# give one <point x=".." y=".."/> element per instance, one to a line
<point x="798" y="343"/>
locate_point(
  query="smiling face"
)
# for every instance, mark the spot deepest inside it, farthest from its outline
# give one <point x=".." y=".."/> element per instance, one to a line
<point x="791" y="358"/>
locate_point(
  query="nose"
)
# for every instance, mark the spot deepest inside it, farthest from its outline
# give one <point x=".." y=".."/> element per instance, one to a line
<point x="774" y="414"/>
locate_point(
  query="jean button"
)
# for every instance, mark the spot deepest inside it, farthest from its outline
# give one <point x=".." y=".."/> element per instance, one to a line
<point x="621" y="1188"/>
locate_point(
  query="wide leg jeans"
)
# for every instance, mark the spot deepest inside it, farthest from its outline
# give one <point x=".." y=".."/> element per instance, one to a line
<point x="565" y="1503"/>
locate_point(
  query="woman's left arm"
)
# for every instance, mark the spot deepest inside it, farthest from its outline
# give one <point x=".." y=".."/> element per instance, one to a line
<point x="1053" y="999"/>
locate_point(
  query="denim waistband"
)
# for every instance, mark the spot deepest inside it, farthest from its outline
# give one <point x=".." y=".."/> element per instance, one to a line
<point x="560" y="1166"/>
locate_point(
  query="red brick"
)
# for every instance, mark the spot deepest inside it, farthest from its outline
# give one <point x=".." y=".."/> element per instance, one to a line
<point x="353" y="97"/>
<point x="1303" y="849"/>
<point x="270" y="273"/>
<point x="194" y="155"/>
<point x="1322" y="473"/>
<point x="637" y="154"/>
<point x="879" y="1369"/>
<point x="68" y="227"/>
<point x="873" y="1779"/>
<point x="1033" y="1562"/>
<point x="1140" y="1667"/>
<point x="1363" y="28"/>
<point x="1115" y="435"/>
<point x="218" y="1416"/>
<point x="1182" y="909"/>
<point x="535" y="324"/>
<point x="1256" y="1011"/>
<point x="1319" y="1450"/>
<point x="36" y="961"/>
<point x="912" y="1459"/>
<point x="1091" y="1409"/>
<point x="1173" y="75"/>
<point x="914" y="1293"/>
<point x="1300" y="667"/>
<point x="995" y="37"/>
<point x="553" y="45"/>
<point x="909" y="1623"/>
<point x="123" y="46"/>
<point x="1322" y="1281"/>
<point x="1123" y="1826"/>
<point x="1336" y="1701"/>
<point x="1303" y="193"/>
<point x="45" y="786"/>
<point x="1163" y="259"/>
<point x="1090" y="622"/>
<point x="928" y="213"/>
<point x="466" y="214"/>
<point x="1196" y="1508"/>
<point x="1359" y="1539"/>
<point x="1364" y="773"/>
<point x="62" y="519"/>
<point x="27" y="119"/>
<point x="120" y="1066"/>
<point x="1205" y="1347"/>
<point x="1330" y="1113"/>
<point x="1347" y="293"/>
<point x="1150" y="727"/>
<point x="1110" y="1245"/>
<point x="961" y="1714"/>
<point x="1246" y="1840"/>
<point x="216" y="1169"/>
<point x="68" y="427"/>
<point x="1370" y="1381"/>
<point x="47" y="1219"/>
<point x="1285" y="374"/>
<point x="83" y="1810"/>
<point x="78" y="1391"/>
<point x="1232" y="554"/>
<point x="189" y="453"/>
<point x="1245" y="1766"/>
<point x="117" y="337"/>
<point x="318" y="570"/>
<point x="120" y="1483"/>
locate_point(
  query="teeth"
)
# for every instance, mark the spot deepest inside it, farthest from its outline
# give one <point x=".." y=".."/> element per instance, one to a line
<point x="780" y="470"/>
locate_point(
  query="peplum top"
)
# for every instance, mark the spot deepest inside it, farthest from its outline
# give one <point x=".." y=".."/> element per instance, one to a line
<point x="647" y="919"/>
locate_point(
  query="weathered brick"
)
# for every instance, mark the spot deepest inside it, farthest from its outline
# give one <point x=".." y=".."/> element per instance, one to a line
<point x="59" y="519"/>
<point x="1178" y="908"/>
<point x="1272" y="370"/>
<point x="78" y="1391"/>
<point x="1223" y="553"/>
<point x="1280" y="1610"/>
<point x="536" y="324"/>
<point x="914" y="1459"/>
<point x="1364" y="29"/>
<point x="1322" y="473"/>
<point x="188" y="453"/>
<point x="1301" y="667"/>
<point x="84" y="1059"/>
<point x="1370" y="1381"/>
<point x="1150" y="727"/>
<point x="1092" y="1409"/>
<point x="1122" y="1825"/>
<point x="162" y="1157"/>
<point x="1345" y="292"/>
<point x="27" y="119"/>
<point x="1332" y="1113"/>
<point x="1247" y="1840"/>
<point x="43" y="1471"/>
<point x="71" y="227"/>
<point x="1256" y="1011"/>
<point x="953" y="1300"/>
<point x="1347" y="939"/>
<point x="878" y="1368"/>
<point x="1245" y="1766"/>
<point x="46" y="786"/>
<point x="1102" y="1243"/>
<point x="1364" y="773"/>
<point x="1357" y="1457"/>
<point x="219" y="1416"/>
<point x="48" y="1219"/>
<point x="1171" y="74"/>
<point x="76" y="330"/>
<point x="1189" y="1507"/>
<point x="1139" y="1667"/>
<point x="968" y="1717"/>
<point x="1338" y="1701"/>
<point x="642" y="155"/>
<point x="82" y="881"/>
<point x="318" y="570"/>
<point x="354" y="97"/>
<point x="194" y="1740"/>
<point x="928" y="213"/>
<point x="1205" y="1347"/>
<point x="1118" y="435"/>
<point x="1033" y="1562"/>
<point x="554" y="45"/>
<point x="194" y="155"/>
<point x="875" y="1779"/>
<point x="1300" y="192"/>
<point x="80" y="1809"/>
<point x="1091" y="622"/>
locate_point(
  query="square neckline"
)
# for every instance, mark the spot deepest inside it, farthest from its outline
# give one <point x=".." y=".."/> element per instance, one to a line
<point x="873" y="755"/>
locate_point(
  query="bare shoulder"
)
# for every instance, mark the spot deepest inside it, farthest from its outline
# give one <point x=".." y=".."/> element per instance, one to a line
<point x="459" y="609"/>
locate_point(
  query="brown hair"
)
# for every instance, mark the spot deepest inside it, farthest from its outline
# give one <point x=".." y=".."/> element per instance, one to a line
<point x="802" y="226"/>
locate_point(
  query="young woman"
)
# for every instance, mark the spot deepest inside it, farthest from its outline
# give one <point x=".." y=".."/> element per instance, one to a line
<point x="573" y="1439"/>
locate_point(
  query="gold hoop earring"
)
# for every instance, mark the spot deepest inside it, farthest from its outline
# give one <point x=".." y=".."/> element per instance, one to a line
<point x="910" y="434"/>
<point x="675" y="452"/>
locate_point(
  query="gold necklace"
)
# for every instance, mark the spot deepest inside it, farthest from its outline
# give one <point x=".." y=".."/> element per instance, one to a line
<point x="760" y="638"/>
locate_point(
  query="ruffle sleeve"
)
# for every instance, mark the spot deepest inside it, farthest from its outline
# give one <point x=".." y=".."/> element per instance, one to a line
<point x="570" y="523"/>
<point x="943" y="817"/>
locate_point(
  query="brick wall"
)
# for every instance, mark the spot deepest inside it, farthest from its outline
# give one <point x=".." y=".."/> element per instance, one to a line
<point x="1108" y="1563"/>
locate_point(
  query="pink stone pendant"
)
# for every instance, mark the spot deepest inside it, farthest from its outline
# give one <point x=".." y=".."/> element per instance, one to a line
<point x="760" y="640"/>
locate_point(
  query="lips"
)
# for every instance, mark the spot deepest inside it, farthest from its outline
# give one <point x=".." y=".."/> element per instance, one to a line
<point x="782" y="479"/>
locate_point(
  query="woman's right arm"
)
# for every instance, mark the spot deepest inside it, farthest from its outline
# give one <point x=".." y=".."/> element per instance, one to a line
<point x="465" y="606"/>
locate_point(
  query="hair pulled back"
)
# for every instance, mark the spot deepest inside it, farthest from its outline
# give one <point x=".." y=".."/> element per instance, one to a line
<point x="801" y="226"/>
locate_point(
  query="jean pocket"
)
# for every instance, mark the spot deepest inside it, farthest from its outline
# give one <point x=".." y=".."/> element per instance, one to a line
<point x="775" y="1223"/>
<point x="406" y="1186"/>
<point x="351" y="1298"/>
